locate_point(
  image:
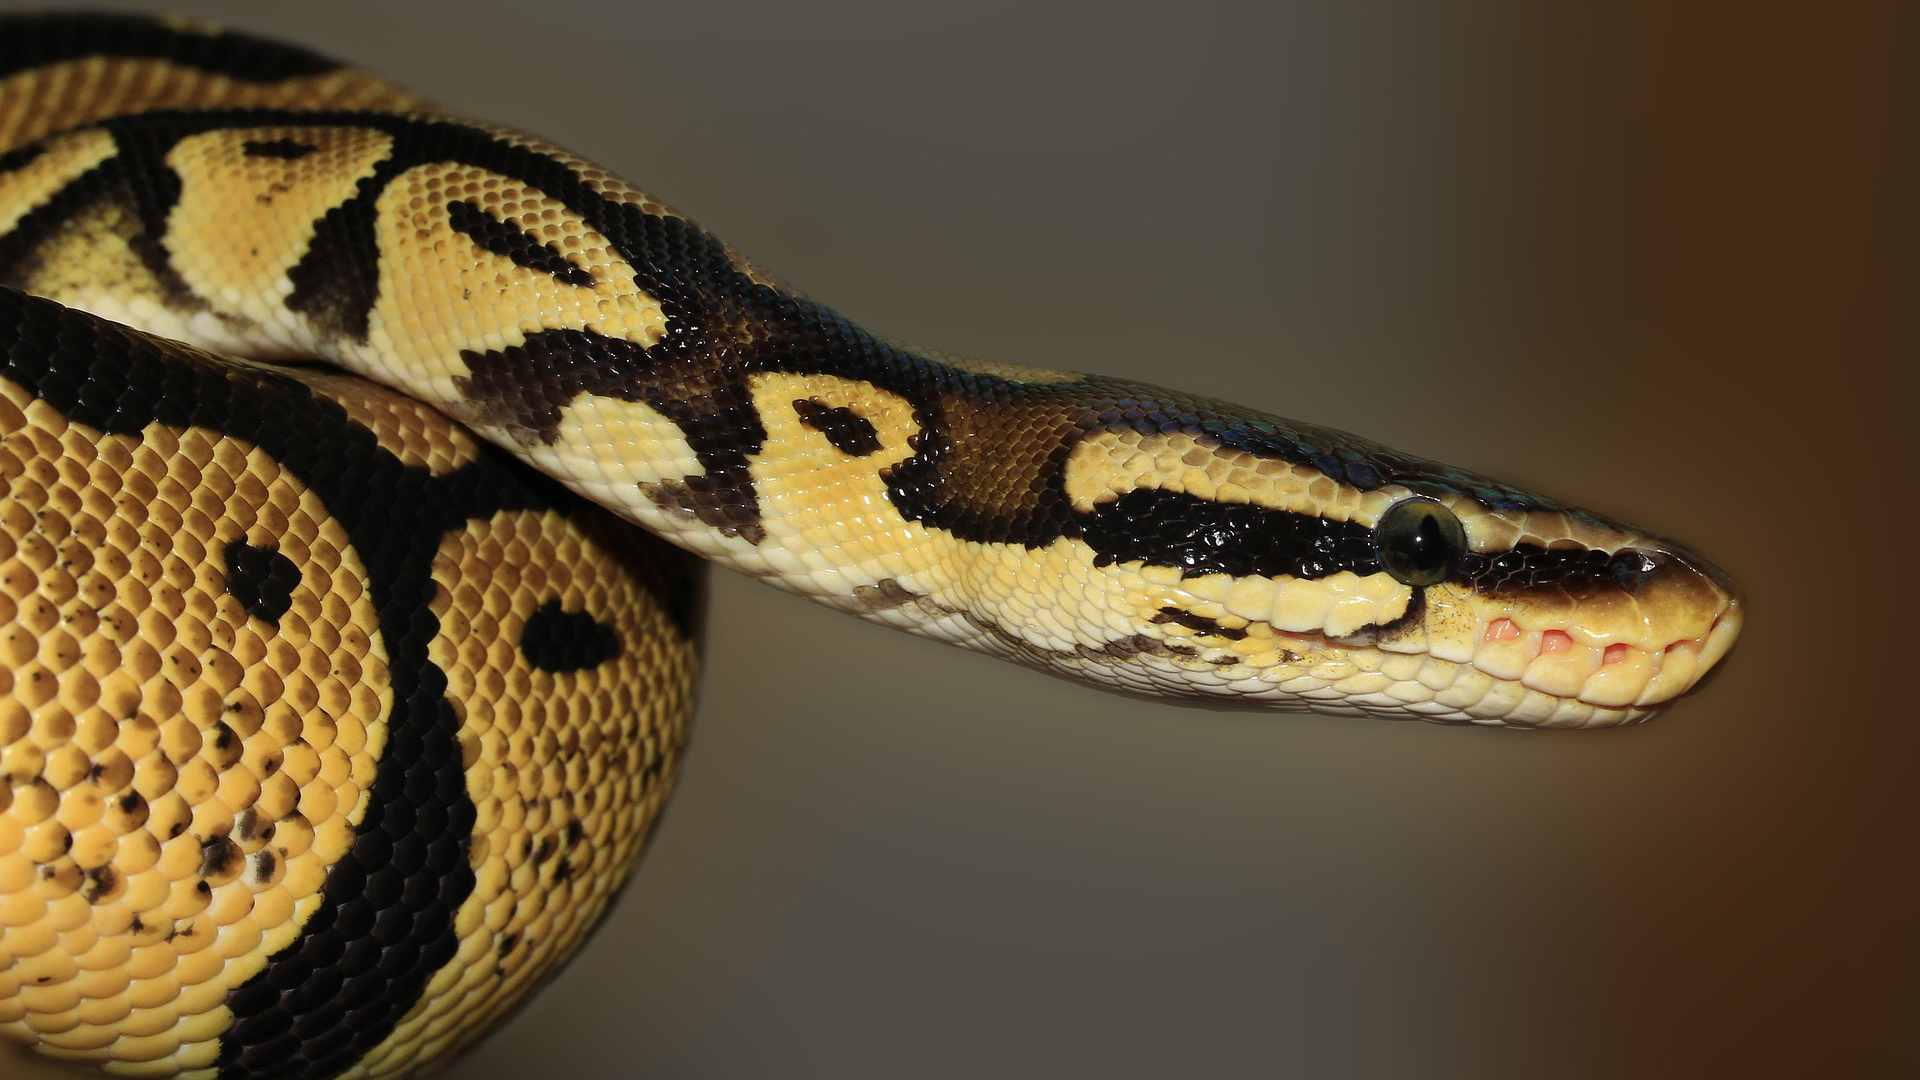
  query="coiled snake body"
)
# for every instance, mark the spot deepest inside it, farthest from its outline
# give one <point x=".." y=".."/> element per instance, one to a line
<point x="329" y="728"/>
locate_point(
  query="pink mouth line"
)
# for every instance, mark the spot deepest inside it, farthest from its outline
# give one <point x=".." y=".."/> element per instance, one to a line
<point x="1626" y="681"/>
<point x="1559" y="641"/>
<point x="1619" y="676"/>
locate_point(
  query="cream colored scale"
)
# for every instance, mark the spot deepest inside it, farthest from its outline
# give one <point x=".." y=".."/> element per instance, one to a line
<point x="155" y="702"/>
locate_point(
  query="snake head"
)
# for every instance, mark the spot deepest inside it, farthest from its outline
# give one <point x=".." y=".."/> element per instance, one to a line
<point x="1448" y="607"/>
<point x="1214" y="553"/>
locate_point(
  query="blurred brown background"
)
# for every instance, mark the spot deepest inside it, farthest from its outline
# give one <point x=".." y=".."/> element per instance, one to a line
<point x="1655" y="258"/>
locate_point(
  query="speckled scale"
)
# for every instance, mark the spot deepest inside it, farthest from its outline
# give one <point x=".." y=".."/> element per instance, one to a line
<point x="376" y="922"/>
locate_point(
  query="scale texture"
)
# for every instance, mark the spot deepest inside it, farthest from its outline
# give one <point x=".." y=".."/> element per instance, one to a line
<point x="338" y="700"/>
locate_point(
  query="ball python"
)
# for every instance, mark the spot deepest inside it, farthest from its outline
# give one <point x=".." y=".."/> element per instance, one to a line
<point x="341" y="688"/>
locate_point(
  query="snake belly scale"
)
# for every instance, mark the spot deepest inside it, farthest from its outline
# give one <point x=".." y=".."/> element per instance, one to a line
<point x="338" y="700"/>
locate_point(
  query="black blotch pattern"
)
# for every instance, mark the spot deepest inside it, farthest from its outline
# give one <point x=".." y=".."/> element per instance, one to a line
<point x="384" y="923"/>
<point x="227" y="746"/>
<point x="338" y="279"/>
<point x="28" y="41"/>
<point x="560" y="641"/>
<point x="219" y="857"/>
<point x="885" y="595"/>
<point x="101" y="883"/>
<point x="113" y="181"/>
<point x="524" y="387"/>
<point x="262" y="580"/>
<point x="511" y="241"/>
<point x="848" y="431"/>
<point x="1127" y="649"/>
<point x="285" y="149"/>
<point x="721" y="327"/>
<point x="20" y="157"/>
<point x="1170" y="528"/>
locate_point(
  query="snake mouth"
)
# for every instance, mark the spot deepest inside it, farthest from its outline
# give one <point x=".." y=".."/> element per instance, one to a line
<point x="1593" y="651"/>
<point x="1608" y="674"/>
<point x="1612" y="653"/>
<point x="1635" y="647"/>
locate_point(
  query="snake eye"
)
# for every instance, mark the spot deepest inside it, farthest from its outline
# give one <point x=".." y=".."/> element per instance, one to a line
<point x="1419" y="542"/>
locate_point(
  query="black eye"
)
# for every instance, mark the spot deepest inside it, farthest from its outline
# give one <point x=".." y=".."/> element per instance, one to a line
<point x="1419" y="542"/>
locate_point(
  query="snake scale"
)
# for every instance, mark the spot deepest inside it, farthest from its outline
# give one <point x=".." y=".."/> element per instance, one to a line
<point x="333" y="715"/>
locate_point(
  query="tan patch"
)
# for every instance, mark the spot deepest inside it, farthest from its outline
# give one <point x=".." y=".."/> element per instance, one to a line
<point x="88" y="264"/>
<point x="440" y="448"/>
<point x="441" y="292"/>
<point x="653" y="449"/>
<point x="55" y="96"/>
<point x="243" y="221"/>
<point x="1002" y="455"/>
<point x="176" y="775"/>
<point x="61" y="163"/>
<point x="1107" y="464"/>
<point x="808" y="484"/>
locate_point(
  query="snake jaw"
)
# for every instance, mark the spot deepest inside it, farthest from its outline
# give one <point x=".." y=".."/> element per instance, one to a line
<point x="1637" y="646"/>
<point x="1587" y="650"/>
<point x="1619" y="655"/>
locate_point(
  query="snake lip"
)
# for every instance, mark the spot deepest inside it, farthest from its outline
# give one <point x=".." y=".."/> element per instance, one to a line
<point x="1629" y="649"/>
<point x="1722" y="634"/>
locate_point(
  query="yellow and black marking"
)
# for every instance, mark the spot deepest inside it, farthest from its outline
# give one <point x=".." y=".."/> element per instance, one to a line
<point x="297" y="665"/>
<point x="304" y="721"/>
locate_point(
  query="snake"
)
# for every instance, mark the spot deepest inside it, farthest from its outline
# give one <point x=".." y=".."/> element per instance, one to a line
<point x="357" y="463"/>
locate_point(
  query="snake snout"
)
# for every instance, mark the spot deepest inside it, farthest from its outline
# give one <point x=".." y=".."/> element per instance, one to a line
<point x="1715" y="594"/>
<point x="1693" y="612"/>
<point x="1613" y="644"/>
<point x="1673" y="582"/>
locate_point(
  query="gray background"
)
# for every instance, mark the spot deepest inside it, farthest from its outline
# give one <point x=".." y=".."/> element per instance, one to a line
<point x="1654" y="258"/>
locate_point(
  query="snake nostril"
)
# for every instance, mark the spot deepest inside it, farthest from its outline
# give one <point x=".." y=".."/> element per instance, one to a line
<point x="1634" y="566"/>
